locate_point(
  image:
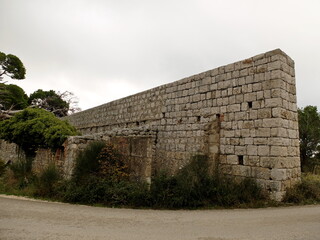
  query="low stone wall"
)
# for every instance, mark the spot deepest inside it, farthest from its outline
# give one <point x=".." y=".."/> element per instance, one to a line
<point x="10" y="152"/>
<point x="137" y="145"/>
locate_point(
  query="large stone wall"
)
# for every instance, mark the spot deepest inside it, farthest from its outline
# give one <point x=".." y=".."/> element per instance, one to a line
<point x="243" y="115"/>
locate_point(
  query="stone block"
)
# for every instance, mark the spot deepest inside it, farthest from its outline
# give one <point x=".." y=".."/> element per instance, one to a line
<point x="252" y="150"/>
<point x="263" y="150"/>
<point x="272" y="122"/>
<point x="279" y="174"/>
<point x="264" y="113"/>
<point x="263" y="132"/>
<point x="232" y="159"/>
<point x="261" y="173"/>
<point x="240" y="150"/>
<point x="239" y="170"/>
<point x="278" y="151"/>
<point x="233" y="108"/>
<point x="273" y="102"/>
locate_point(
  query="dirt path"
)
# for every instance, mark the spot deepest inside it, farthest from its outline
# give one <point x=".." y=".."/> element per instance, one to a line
<point x="29" y="219"/>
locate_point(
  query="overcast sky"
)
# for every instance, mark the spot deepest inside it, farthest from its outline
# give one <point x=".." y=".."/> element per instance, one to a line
<point x="102" y="50"/>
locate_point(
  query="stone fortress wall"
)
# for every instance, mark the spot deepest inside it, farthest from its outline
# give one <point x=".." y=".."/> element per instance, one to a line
<point x="242" y="115"/>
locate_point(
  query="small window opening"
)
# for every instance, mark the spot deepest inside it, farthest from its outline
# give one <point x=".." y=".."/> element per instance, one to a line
<point x="240" y="159"/>
<point x="250" y="104"/>
<point x="218" y="116"/>
<point x="137" y="123"/>
<point x="163" y="115"/>
<point x="198" y="118"/>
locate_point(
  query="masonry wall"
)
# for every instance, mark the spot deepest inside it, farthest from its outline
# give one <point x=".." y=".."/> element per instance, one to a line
<point x="243" y="115"/>
<point x="10" y="151"/>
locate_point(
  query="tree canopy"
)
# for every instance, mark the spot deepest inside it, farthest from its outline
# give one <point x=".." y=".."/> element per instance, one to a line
<point x="12" y="97"/>
<point x="11" y="66"/>
<point x="50" y="101"/>
<point x="309" y="131"/>
<point x="61" y="104"/>
<point x="35" y="128"/>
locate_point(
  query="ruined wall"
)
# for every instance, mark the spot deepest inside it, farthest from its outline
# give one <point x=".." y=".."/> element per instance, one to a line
<point x="10" y="152"/>
<point x="243" y="115"/>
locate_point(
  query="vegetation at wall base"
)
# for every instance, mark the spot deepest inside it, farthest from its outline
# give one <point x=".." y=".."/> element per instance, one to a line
<point x="92" y="183"/>
<point x="192" y="187"/>
<point x="305" y="192"/>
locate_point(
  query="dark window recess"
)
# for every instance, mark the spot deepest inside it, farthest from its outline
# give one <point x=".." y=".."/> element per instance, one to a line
<point x="218" y="116"/>
<point x="198" y="118"/>
<point x="163" y="115"/>
<point x="137" y="123"/>
<point x="240" y="159"/>
<point x="250" y="104"/>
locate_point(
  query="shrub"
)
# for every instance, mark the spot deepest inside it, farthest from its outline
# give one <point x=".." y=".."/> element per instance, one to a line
<point x="307" y="191"/>
<point x="90" y="191"/>
<point x="162" y="190"/>
<point x="47" y="181"/>
<point x="194" y="187"/>
<point x="22" y="171"/>
<point x="35" y="128"/>
<point x="125" y="193"/>
<point x="87" y="161"/>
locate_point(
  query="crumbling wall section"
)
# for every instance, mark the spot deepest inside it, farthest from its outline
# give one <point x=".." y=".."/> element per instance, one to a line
<point x="10" y="152"/>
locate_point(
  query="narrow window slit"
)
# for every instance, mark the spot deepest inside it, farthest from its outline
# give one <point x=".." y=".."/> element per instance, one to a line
<point x="240" y="159"/>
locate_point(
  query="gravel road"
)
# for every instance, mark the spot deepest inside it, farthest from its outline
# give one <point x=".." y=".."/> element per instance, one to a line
<point x="22" y="218"/>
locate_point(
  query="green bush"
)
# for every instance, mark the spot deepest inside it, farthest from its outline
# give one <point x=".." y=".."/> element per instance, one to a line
<point x="194" y="187"/>
<point x="22" y="171"/>
<point x="87" y="162"/>
<point x="90" y="191"/>
<point x="35" y="128"/>
<point x="307" y="191"/>
<point x="47" y="181"/>
<point x="96" y="190"/>
<point x="188" y="188"/>
<point x="125" y="193"/>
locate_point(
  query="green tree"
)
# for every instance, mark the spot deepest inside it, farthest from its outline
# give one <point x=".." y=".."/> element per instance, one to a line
<point x="11" y="66"/>
<point x="50" y="101"/>
<point x="13" y="97"/>
<point x="35" y="128"/>
<point x="309" y="131"/>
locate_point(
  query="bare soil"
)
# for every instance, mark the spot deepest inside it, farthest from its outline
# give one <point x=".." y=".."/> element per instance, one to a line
<point x="22" y="218"/>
